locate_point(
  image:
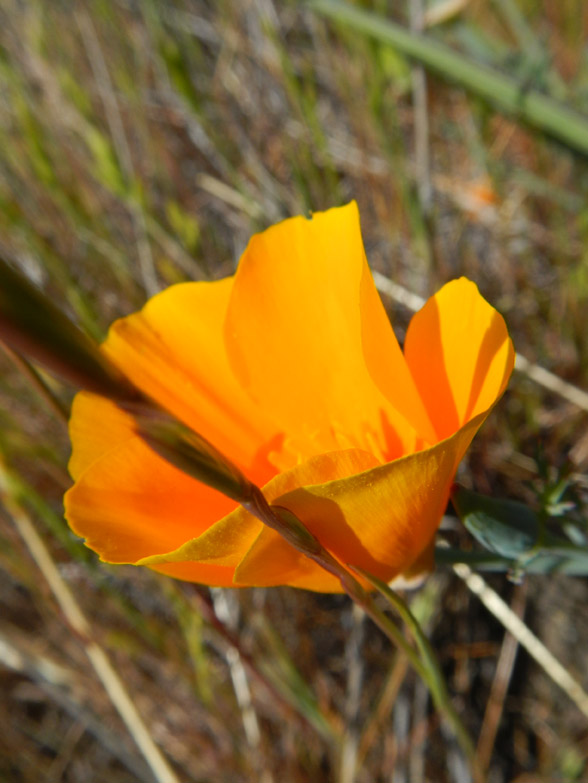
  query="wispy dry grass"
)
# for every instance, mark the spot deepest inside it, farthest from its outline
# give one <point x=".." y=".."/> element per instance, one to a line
<point x="141" y="144"/>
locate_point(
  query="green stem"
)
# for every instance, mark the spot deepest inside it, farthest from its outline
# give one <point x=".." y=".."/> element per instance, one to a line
<point x="36" y="380"/>
<point x="425" y="664"/>
<point x="508" y="95"/>
<point x="433" y="674"/>
<point x="293" y="531"/>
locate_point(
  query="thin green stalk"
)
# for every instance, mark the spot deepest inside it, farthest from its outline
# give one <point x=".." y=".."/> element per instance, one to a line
<point x="508" y="95"/>
<point x="433" y="675"/>
<point x="293" y="531"/>
<point x="425" y="665"/>
<point x="37" y="381"/>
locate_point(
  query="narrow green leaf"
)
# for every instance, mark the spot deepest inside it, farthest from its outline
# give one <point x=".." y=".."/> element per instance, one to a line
<point x="191" y="453"/>
<point x="547" y="561"/>
<point x="32" y="325"/>
<point x="505" y="527"/>
<point x="507" y="94"/>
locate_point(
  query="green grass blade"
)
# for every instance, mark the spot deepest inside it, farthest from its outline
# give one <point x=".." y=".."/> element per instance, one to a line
<point x="506" y="94"/>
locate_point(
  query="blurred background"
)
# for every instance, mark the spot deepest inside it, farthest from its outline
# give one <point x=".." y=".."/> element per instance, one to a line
<point x="141" y="144"/>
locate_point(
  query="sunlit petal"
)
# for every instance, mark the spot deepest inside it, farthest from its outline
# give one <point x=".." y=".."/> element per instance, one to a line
<point x="292" y="370"/>
<point x="173" y="349"/>
<point x="130" y="504"/>
<point x="459" y="353"/>
<point x="96" y="426"/>
<point x="381" y="520"/>
<point x="306" y="333"/>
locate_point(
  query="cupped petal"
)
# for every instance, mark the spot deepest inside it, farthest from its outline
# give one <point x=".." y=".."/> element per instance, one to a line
<point x="460" y="355"/>
<point x="130" y="503"/>
<point x="174" y="351"/>
<point x="308" y="337"/>
<point x="228" y="542"/>
<point x="383" y="519"/>
<point x="272" y="562"/>
<point x="96" y="426"/>
<point x="204" y="573"/>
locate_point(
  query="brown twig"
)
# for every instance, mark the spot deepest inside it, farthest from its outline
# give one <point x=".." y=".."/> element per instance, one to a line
<point x="526" y="638"/>
<point x="504" y="667"/>
<point x="72" y="612"/>
<point x="37" y="383"/>
<point x="206" y="608"/>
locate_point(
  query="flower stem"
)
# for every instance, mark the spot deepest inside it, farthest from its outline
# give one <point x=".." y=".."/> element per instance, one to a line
<point x="433" y="674"/>
<point x="293" y="531"/>
<point x="423" y="661"/>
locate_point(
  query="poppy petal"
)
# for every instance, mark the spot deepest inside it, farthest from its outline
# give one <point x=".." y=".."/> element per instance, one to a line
<point x="130" y="503"/>
<point x="459" y="353"/>
<point x="173" y="350"/>
<point x="320" y="366"/>
<point x="291" y="368"/>
<point x="96" y="426"/>
<point x="228" y="541"/>
<point x="204" y="573"/>
<point x="381" y="520"/>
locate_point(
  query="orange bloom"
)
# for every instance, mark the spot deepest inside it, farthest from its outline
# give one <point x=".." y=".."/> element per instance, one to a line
<point x="292" y="370"/>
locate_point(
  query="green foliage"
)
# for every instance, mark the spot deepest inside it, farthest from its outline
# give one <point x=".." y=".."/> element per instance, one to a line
<point x="106" y="168"/>
<point x="525" y="540"/>
<point x="504" y="527"/>
<point x="184" y="226"/>
<point x="507" y="94"/>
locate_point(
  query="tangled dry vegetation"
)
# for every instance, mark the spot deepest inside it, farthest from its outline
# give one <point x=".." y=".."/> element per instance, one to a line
<point x="141" y="144"/>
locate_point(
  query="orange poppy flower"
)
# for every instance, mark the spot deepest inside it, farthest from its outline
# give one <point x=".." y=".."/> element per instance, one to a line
<point x="292" y="370"/>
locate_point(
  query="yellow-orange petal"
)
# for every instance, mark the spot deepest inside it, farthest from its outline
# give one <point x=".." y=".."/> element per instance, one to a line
<point x="381" y="520"/>
<point x="459" y="353"/>
<point x="174" y="350"/>
<point x="204" y="573"/>
<point x="270" y="562"/>
<point x="228" y="541"/>
<point x="308" y="337"/>
<point x="96" y="426"/>
<point x="130" y="503"/>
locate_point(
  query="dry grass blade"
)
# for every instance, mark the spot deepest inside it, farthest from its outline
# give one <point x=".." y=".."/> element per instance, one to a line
<point x="525" y="637"/>
<point x="14" y="656"/>
<point x="442" y="11"/>
<point x="355" y="674"/>
<point x="551" y="382"/>
<point x="63" y="686"/>
<point x="123" y="150"/>
<point x="225" y="607"/>
<point x="383" y="707"/>
<point x="112" y="683"/>
<point x="504" y="669"/>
